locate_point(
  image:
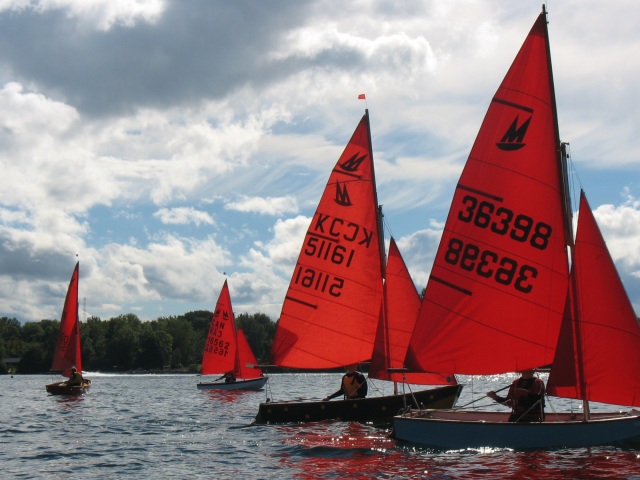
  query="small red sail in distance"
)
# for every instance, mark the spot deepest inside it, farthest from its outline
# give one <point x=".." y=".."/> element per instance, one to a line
<point x="68" y="352"/>
<point x="220" y="346"/>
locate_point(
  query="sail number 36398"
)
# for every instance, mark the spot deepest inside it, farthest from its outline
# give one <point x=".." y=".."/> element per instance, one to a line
<point x="488" y="264"/>
<point x="503" y="221"/>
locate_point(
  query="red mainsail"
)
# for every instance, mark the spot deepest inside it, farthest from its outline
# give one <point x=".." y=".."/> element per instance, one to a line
<point x="330" y="312"/>
<point x="396" y="325"/>
<point x="68" y="353"/>
<point x="227" y="350"/>
<point x="496" y="293"/>
<point x="598" y="354"/>
<point x="221" y="346"/>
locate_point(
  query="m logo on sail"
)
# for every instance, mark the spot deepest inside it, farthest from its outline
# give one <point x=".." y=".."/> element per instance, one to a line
<point x="513" y="138"/>
<point x="353" y="164"/>
<point x="342" y="195"/>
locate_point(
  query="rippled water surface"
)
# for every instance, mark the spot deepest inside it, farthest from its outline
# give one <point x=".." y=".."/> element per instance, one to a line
<point x="161" y="426"/>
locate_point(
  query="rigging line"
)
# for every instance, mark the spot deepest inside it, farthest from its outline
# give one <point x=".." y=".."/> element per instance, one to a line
<point x="386" y="225"/>
<point x="480" y="398"/>
<point x="574" y="177"/>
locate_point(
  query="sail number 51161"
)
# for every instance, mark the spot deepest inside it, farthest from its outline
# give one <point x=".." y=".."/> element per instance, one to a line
<point x="317" y="280"/>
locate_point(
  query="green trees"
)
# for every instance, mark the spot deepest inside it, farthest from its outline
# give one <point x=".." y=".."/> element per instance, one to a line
<point x="259" y="330"/>
<point x="126" y="343"/>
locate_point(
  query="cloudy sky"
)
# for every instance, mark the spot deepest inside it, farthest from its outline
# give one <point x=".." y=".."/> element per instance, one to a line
<point x="172" y="144"/>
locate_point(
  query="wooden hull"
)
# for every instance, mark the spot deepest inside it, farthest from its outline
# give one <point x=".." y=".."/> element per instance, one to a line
<point x="61" y="388"/>
<point x="372" y="409"/>
<point x="454" y="430"/>
<point x="252" y="384"/>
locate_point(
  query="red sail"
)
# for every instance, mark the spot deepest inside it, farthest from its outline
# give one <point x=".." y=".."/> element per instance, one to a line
<point x="246" y="364"/>
<point x="67" y="353"/>
<point x="220" y="347"/>
<point x="330" y="313"/>
<point x="496" y="292"/>
<point x="598" y="354"/>
<point x="402" y="305"/>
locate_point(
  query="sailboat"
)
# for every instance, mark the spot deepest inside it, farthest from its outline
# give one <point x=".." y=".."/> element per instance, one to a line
<point x="334" y="308"/>
<point x="501" y="296"/>
<point x="227" y="352"/>
<point x="68" y="354"/>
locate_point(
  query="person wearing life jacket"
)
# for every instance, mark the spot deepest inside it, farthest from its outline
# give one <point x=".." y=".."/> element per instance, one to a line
<point x="353" y="385"/>
<point x="75" y="378"/>
<point x="525" y="397"/>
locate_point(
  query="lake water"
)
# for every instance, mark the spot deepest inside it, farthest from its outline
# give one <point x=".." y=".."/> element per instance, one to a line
<point x="161" y="426"/>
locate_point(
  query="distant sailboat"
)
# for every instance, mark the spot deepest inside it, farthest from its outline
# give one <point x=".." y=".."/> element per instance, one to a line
<point x="227" y="352"/>
<point x="501" y="297"/>
<point x="333" y="314"/>
<point x="68" y="352"/>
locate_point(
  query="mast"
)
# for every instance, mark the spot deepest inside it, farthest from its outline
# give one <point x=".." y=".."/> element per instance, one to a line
<point x="383" y="261"/>
<point x="78" y="359"/>
<point x="568" y="222"/>
<point x="560" y="147"/>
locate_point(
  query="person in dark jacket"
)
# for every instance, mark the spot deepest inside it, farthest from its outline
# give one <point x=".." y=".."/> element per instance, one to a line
<point x="525" y="397"/>
<point x="75" y="378"/>
<point x="353" y="385"/>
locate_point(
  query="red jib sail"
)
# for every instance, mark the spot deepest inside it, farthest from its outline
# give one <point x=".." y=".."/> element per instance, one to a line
<point x="246" y="364"/>
<point x="496" y="293"/>
<point x="68" y="353"/>
<point x="598" y="354"/>
<point x="394" y="330"/>
<point x="221" y="346"/>
<point x="330" y="312"/>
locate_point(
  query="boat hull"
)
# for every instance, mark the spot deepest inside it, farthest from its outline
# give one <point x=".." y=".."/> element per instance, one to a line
<point x="61" y="388"/>
<point x="454" y="430"/>
<point x="372" y="409"/>
<point x="252" y="384"/>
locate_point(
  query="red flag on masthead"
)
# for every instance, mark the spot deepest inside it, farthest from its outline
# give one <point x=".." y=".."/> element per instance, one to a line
<point x="362" y="96"/>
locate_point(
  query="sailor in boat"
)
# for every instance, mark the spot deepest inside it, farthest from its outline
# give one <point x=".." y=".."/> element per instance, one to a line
<point x="229" y="377"/>
<point x="525" y="397"/>
<point x="353" y="385"/>
<point x="75" y="378"/>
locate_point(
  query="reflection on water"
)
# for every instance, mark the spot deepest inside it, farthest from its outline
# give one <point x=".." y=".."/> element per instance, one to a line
<point x="162" y="426"/>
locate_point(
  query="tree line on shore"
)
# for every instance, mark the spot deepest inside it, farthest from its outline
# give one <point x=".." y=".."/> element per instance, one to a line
<point x="125" y="343"/>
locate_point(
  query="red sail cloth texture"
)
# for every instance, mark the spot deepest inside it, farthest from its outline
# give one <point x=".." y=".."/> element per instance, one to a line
<point x="330" y="313"/>
<point x="598" y="354"/>
<point x="394" y="330"/>
<point x="67" y="352"/>
<point x="220" y="347"/>
<point x="246" y="363"/>
<point x="496" y="294"/>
